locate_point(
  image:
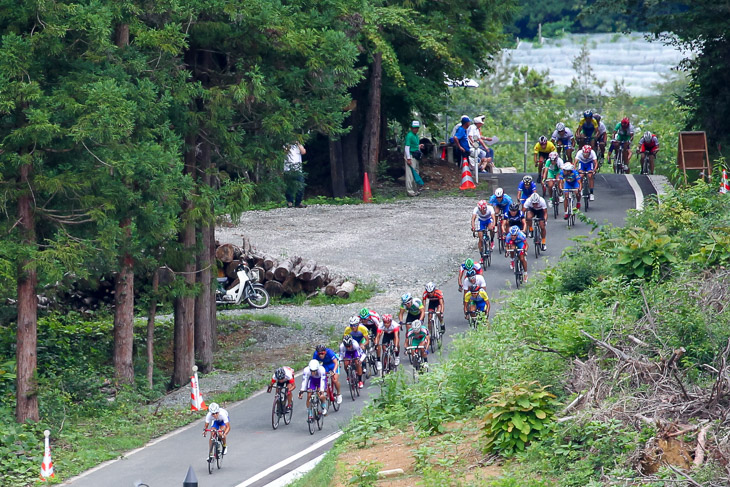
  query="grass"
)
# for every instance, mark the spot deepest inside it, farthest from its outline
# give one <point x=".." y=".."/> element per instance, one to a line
<point x="361" y="294"/>
<point x="326" y="469"/>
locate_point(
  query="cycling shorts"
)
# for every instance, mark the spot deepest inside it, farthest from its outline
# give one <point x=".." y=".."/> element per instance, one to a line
<point x="415" y="342"/>
<point x="331" y="367"/>
<point x="433" y="304"/>
<point x="565" y="142"/>
<point x="511" y="223"/>
<point x="553" y="174"/>
<point x="218" y="424"/>
<point x="543" y="155"/>
<point x="317" y="383"/>
<point x="480" y="305"/>
<point x="388" y="337"/>
<point x="651" y="150"/>
<point x="519" y="245"/>
<point x="372" y="329"/>
<point x="586" y="166"/>
<point x="352" y="355"/>
<point x="568" y="185"/>
<point x="411" y="318"/>
<point x="484" y="224"/>
<point x="538" y="213"/>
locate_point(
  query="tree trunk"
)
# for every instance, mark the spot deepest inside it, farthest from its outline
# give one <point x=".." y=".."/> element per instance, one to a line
<point x="151" y="312"/>
<point x="203" y="329"/>
<point x="371" y="134"/>
<point x="124" y="318"/>
<point x="121" y="35"/>
<point x="213" y="315"/>
<point x="350" y="153"/>
<point x="26" y="402"/>
<point x="337" y="171"/>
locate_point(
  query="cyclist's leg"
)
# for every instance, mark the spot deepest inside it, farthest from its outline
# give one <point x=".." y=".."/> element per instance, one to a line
<point x="491" y="227"/>
<point x="529" y="215"/>
<point x="591" y="180"/>
<point x="651" y="156"/>
<point x="480" y="236"/>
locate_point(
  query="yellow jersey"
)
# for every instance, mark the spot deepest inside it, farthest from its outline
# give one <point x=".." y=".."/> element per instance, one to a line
<point x="549" y="147"/>
<point x="359" y="333"/>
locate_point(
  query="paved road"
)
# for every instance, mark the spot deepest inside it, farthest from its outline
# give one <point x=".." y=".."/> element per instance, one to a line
<point x="256" y="449"/>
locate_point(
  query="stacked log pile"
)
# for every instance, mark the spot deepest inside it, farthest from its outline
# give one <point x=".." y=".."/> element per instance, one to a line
<point x="282" y="277"/>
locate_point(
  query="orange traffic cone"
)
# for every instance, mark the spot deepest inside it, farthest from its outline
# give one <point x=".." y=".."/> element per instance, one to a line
<point x="367" y="195"/>
<point x="196" y="398"/>
<point x="47" y="465"/>
<point x="724" y="185"/>
<point x="467" y="181"/>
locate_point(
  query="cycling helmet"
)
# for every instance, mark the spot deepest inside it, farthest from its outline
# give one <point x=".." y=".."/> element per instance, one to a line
<point x="588" y="114"/>
<point x="364" y="313"/>
<point x="625" y="122"/>
<point x="469" y="264"/>
<point x="514" y="207"/>
<point x="560" y="126"/>
<point x="527" y="179"/>
<point x="354" y="320"/>
<point x="587" y="150"/>
<point x="535" y="198"/>
<point x="214" y="408"/>
<point x="648" y="136"/>
<point x="499" y="192"/>
<point x="553" y="156"/>
<point x="416" y="324"/>
<point x="542" y="140"/>
<point x="474" y="287"/>
<point x="405" y="298"/>
<point x="471" y="272"/>
<point x="347" y="341"/>
<point x="314" y="365"/>
<point x="514" y="229"/>
<point x="472" y="279"/>
<point x="568" y="166"/>
<point x="482" y="205"/>
<point x="430" y="287"/>
<point x="597" y="117"/>
<point x="321" y="348"/>
<point x="387" y="318"/>
<point x="280" y="373"/>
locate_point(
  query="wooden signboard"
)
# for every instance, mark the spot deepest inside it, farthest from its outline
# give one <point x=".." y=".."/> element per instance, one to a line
<point x="692" y="153"/>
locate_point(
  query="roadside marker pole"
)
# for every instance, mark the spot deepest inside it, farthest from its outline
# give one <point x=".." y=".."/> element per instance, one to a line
<point x="47" y="465"/>
<point x="196" y="399"/>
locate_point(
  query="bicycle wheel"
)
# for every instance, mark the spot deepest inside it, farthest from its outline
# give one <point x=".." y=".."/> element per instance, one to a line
<point x="310" y="416"/>
<point x="518" y="272"/>
<point x="537" y="240"/>
<point x="333" y="398"/>
<point x="218" y="454"/>
<point x="351" y="381"/>
<point x="211" y="452"/>
<point x="556" y="202"/>
<point x="288" y="413"/>
<point x="416" y="367"/>
<point x="275" y="413"/>
<point x="586" y="194"/>
<point x="320" y="418"/>
<point x="438" y="337"/>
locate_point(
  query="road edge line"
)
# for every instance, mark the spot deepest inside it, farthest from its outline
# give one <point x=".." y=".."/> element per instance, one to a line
<point x="290" y="477"/>
<point x="293" y="458"/>
<point x="638" y="194"/>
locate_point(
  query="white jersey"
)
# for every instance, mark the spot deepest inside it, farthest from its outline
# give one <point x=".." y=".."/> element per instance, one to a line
<point x="222" y="417"/>
<point x="356" y="350"/>
<point x="486" y="216"/>
<point x="601" y="128"/>
<point x="556" y="136"/>
<point x="480" y="281"/>
<point x="540" y="205"/>
<point x="585" y="160"/>
<point x="392" y="328"/>
<point x="289" y="375"/>
<point x="319" y="374"/>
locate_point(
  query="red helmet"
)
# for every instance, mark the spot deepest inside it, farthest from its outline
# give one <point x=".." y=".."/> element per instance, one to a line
<point x="387" y="318"/>
<point x="482" y="205"/>
<point x="587" y="150"/>
<point x="625" y="122"/>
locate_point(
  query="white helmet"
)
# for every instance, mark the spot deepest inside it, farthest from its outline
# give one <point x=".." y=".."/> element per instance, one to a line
<point x="553" y="156"/>
<point x="430" y="287"/>
<point x="560" y="127"/>
<point x="568" y="166"/>
<point x="354" y="320"/>
<point x="535" y="198"/>
<point x="214" y="408"/>
<point x="416" y="325"/>
<point x="499" y="192"/>
<point x="314" y="365"/>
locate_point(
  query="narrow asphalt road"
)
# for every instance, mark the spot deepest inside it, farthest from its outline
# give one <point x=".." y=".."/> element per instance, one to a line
<point x="259" y="455"/>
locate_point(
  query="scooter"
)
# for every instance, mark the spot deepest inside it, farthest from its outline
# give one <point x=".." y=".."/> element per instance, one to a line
<point x="244" y="288"/>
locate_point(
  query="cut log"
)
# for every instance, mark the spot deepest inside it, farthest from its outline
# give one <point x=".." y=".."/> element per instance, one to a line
<point x="230" y="269"/>
<point x="310" y="286"/>
<point x="306" y="271"/>
<point x="292" y="285"/>
<point x="269" y="276"/>
<point x="345" y="289"/>
<point x="269" y="262"/>
<point x="246" y="247"/>
<point x="282" y="271"/>
<point x="274" y="288"/>
<point x="332" y="286"/>
<point x="225" y="253"/>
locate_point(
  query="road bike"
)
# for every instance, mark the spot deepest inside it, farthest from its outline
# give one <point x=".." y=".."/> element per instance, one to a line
<point x="352" y="382"/>
<point x="537" y="236"/>
<point x="600" y="155"/>
<point x="388" y="359"/>
<point x="619" y="164"/>
<point x="331" y="396"/>
<point x="517" y="266"/>
<point x="281" y="409"/>
<point x="570" y="195"/>
<point x="472" y="315"/>
<point x="555" y="197"/>
<point x="418" y="363"/>
<point x="500" y="234"/>
<point x="370" y="363"/>
<point x="314" y="412"/>
<point x="434" y="327"/>
<point x="486" y="252"/>
<point x="586" y="191"/>
<point x="644" y="158"/>
<point x="215" y="452"/>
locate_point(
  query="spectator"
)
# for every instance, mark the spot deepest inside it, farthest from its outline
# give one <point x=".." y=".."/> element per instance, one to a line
<point x="413" y="153"/>
<point x="483" y="153"/>
<point x="461" y="139"/>
<point x="293" y="175"/>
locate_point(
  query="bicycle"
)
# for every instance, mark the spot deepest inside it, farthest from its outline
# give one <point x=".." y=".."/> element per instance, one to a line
<point x="537" y="236"/>
<point x="352" y="382"/>
<point x="473" y="315"/>
<point x="645" y="166"/>
<point x="388" y="359"/>
<point x="414" y="357"/>
<point x="371" y="362"/>
<point x="434" y="327"/>
<point x="331" y="396"/>
<point x="486" y="252"/>
<point x="555" y="197"/>
<point x="517" y="266"/>
<point x="215" y="453"/>
<point x="586" y="191"/>
<point x="570" y="195"/>
<point x="280" y="409"/>
<point x="314" y="412"/>
<point x="619" y="164"/>
<point x="500" y="234"/>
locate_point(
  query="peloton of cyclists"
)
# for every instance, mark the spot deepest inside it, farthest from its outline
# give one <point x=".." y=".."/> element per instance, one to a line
<point x="586" y="162"/>
<point x="537" y="208"/>
<point x="542" y="150"/>
<point x="435" y="300"/>
<point x="389" y="331"/>
<point x="648" y="147"/>
<point x="550" y="174"/>
<point x="484" y="213"/>
<point x="517" y="240"/>
<point x="562" y="136"/>
<point x="570" y="181"/>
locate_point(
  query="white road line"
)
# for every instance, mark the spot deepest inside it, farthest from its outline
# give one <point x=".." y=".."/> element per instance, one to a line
<point x="285" y="480"/>
<point x="287" y="461"/>
<point x="638" y="194"/>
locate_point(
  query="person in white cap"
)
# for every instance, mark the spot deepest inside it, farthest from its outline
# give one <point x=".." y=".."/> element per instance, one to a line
<point x="482" y="153"/>
<point x="412" y="150"/>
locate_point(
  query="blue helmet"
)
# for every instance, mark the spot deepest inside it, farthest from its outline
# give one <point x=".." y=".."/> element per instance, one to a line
<point x="405" y="298"/>
<point x="514" y="229"/>
<point x="588" y="114"/>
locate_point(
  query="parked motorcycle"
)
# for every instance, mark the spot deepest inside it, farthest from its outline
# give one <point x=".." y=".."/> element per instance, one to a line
<point x="244" y="288"/>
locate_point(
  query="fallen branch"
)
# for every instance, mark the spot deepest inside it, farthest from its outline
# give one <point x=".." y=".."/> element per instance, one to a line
<point x="687" y="477"/>
<point x="618" y="353"/>
<point x="701" y="440"/>
<point x="573" y="403"/>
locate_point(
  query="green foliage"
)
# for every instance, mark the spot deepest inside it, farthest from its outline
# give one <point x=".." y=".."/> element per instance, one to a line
<point x="365" y="473"/>
<point x="646" y="253"/>
<point x="516" y="416"/>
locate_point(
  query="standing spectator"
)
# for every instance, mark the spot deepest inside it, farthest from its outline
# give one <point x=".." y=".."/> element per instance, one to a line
<point x="461" y="139"/>
<point x="484" y="154"/>
<point x="293" y="175"/>
<point x="413" y="154"/>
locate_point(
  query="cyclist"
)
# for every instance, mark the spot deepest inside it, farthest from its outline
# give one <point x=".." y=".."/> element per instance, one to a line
<point x="586" y="162"/>
<point x="389" y="331"/>
<point x="623" y="134"/>
<point x="435" y="300"/>
<point x="357" y="331"/>
<point x="648" y="147"/>
<point x="485" y="214"/>
<point x="500" y="202"/>
<point x="331" y="364"/>
<point x="542" y="150"/>
<point x="601" y="137"/>
<point x="468" y="265"/>
<point x="217" y="418"/>
<point x="587" y="128"/>
<point x="315" y="379"/>
<point x="284" y="377"/>
<point x="514" y="217"/>
<point x="562" y="136"/>
<point x="517" y="240"/>
<point x="552" y="167"/>
<point x="537" y="208"/>
<point x="570" y="181"/>
<point x="351" y="354"/>
<point x="411" y="309"/>
<point x="478" y="297"/>
<point x="418" y="336"/>
<point x="525" y="188"/>
<point x="370" y="320"/>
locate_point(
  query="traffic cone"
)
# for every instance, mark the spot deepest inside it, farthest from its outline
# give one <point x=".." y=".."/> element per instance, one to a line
<point x="724" y="185"/>
<point x="367" y="195"/>
<point x="47" y="465"/>
<point x="196" y="398"/>
<point x="467" y="181"/>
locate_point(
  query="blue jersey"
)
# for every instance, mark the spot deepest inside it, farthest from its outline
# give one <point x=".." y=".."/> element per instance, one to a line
<point x="526" y="191"/>
<point x="504" y="205"/>
<point x="518" y="239"/>
<point x="328" y="361"/>
<point x="570" y="176"/>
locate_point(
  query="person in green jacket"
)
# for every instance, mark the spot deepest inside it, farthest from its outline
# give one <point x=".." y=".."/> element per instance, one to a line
<point x="413" y="148"/>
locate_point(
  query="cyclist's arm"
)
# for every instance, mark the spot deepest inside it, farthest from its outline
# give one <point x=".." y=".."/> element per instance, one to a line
<point x="423" y="312"/>
<point x="473" y="221"/>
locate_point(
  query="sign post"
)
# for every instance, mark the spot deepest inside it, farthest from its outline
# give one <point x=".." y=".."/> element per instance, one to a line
<point x="692" y="154"/>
